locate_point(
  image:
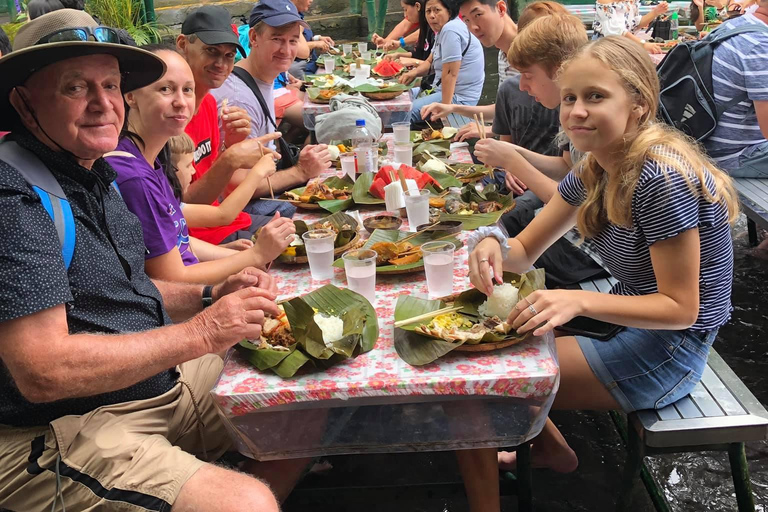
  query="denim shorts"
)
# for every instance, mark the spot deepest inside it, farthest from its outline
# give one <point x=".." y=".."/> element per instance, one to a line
<point x="649" y="369"/>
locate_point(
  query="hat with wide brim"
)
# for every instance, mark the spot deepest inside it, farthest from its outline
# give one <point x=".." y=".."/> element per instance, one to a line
<point x="138" y="67"/>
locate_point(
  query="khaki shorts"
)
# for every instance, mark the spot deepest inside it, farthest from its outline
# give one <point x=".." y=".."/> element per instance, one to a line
<point x="128" y="457"/>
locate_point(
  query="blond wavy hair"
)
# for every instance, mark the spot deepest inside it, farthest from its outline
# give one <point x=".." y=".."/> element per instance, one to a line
<point x="609" y="197"/>
<point x="547" y="41"/>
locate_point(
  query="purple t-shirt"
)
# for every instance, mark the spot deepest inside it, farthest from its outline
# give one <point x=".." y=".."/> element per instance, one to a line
<point x="149" y="196"/>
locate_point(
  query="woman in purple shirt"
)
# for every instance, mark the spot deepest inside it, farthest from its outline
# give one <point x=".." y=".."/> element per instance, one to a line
<point x="158" y="112"/>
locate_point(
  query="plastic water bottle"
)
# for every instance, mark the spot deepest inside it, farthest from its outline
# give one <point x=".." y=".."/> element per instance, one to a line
<point x="673" y="26"/>
<point x="366" y="152"/>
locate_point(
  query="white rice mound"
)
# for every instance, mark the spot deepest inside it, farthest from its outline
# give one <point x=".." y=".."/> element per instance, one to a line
<point x="332" y="327"/>
<point x="501" y="302"/>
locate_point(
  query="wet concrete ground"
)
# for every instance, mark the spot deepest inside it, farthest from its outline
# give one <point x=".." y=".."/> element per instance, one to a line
<point x="692" y="482"/>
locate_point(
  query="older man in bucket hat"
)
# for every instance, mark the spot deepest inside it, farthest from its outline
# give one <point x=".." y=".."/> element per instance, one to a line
<point x="104" y="400"/>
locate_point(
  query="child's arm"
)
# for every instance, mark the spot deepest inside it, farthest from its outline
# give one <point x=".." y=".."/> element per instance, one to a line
<point x="203" y="215"/>
<point x="208" y="252"/>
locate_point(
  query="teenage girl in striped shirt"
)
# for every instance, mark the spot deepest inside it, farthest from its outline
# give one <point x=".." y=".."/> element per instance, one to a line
<point x="659" y="213"/>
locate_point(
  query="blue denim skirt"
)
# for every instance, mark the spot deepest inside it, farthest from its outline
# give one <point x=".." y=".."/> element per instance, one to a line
<point x="649" y="369"/>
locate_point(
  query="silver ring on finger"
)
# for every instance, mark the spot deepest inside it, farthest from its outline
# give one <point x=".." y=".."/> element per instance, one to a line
<point x="529" y="302"/>
<point x="532" y="310"/>
<point x="484" y="260"/>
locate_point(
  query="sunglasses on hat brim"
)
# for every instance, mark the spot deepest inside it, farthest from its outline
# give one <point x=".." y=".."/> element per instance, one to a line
<point x="100" y="34"/>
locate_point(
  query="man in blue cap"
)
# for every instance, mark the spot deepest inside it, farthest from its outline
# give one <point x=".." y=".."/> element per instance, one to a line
<point x="274" y="39"/>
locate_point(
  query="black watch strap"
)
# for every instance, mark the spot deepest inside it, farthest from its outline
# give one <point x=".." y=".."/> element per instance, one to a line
<point x="207" y="295"/>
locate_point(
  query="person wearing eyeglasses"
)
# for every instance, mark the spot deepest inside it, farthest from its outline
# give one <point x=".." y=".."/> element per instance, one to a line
<point x="104" y="373"/>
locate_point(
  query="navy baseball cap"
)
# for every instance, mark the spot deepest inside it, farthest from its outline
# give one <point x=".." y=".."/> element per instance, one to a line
<point x="275" y="13"/>
<point x="213" y="25"/>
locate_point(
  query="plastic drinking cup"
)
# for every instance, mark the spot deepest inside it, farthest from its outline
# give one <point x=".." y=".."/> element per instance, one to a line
<point x="365" y="55"/>
<point x="330" y="64"/>
<point x="417" y="207"/>
<point x="404" y="153"/>
<point x="347" y="48"/>
<point x="360" y="267"/>
<point x="402" y="131"/>
<point x="319" y="246"/>
<point x="438" y="265"/>
<point x="362" y="47"/>
<point x="348" y="164"/>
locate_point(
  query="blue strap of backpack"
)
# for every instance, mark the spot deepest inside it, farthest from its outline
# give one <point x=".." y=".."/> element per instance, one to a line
<point x="52" y="196"/>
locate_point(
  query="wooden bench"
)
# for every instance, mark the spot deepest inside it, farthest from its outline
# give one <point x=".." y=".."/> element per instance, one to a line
<point x="721" y="414"/>
<point x="753" y="195"/>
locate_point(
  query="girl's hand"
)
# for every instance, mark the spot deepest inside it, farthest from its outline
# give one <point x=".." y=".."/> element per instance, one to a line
<point x="660" y="9"/>
<point x="407" y="78"/>
<point x="652" y="48"/>
<point x="495" y="153"/>
<point x="266" y="166"/>
<point x="468" y="131"/>
<point x="391" y="44"/>
<point x="436" y="111"/>
<point x="274" y="237"/>
<point x="485" y="264"/>
<point x="552" y="308"/>
<point x="514" y="184"/>
<point x="377" y="39"/>
<point x="240" y="244"/>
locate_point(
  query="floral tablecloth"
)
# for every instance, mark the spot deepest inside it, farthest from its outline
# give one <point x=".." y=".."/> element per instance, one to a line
<point x="526" y="371"/>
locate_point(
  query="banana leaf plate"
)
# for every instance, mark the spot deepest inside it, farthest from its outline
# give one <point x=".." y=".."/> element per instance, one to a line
<point x="348" y="236"/>
<point x="361" y="330"/>
<point x="418" y="349"/>
<point x="324" y="95"/>
<point x="318" y="203"/>
<point x="391" y="235"/>
<point x="477" y="220"/>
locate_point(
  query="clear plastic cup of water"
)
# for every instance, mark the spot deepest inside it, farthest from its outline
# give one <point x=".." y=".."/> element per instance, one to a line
<point x="404" y="153"/>
<point x="347" y="48"/>
<point x="319" y="246"/>
<point x="348" y="165"/>
<point x="330" y="64"/>
<point x="417" y="207"/>
<point x="360" y="267"/>
<point x="402" y="131"/>
<point x="362" y="47"/>
<point x="365" y="55"/>
<point x="438" y="265"/>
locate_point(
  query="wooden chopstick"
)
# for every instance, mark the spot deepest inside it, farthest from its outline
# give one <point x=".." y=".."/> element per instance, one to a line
<point x="431" y="314"/>
<point x="477" y="125"/>
<point x="414" y="235"/>
<point x="482" y="123"/>
<point x="269" y="182"/>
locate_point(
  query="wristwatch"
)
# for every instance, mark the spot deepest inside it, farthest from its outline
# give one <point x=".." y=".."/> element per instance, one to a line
<point x="207" y="295"/>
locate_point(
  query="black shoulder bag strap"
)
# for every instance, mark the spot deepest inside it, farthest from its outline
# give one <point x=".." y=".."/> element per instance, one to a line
<point x="286" y="152"/>
<point x="463" y="53"/>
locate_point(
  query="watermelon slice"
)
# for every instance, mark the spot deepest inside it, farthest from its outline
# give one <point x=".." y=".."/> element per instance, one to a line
<point x="387" y="68"/>
<point x="384" y="178"/>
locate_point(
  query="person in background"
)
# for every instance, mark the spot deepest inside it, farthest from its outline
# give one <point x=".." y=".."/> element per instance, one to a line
<point x="36" y="8"/>
<point x="405" y="33"/>
<point x="5" y="43"/>
<point x="424" y="44"/>
<point x="457" y="60"/>
<point x="209" y="44"/>
<point x="105" y="373"/>
<point x="622" y="18"/>
<point x="310" y="46"/>
<point x="157" y="113"/>
<point x="659" y="213"/>
<point x="274" y="37"/>
<point x="739" y="144"/>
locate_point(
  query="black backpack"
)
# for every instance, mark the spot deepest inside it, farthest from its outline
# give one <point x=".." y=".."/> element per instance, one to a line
<point x="687" y="99"/>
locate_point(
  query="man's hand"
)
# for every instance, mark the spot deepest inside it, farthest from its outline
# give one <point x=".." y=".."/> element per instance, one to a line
<point x="496" y="153"/>
<point x="322" y="46"/>
<point x="234" y="317"/>
<point x="313" y="160"/>
<point x="328" y="40"/>
<point x="275" y="236"/>
<point x="660" y="9"/>
<point x="377" y="39"/>
<point x="514" y="184"/>
<point x="247" y="277"/>
<point x="236" y="123"/>
<point x="436" y="111"/>
<point x="407" y="77"/>
<point x="468" y="131"/>
<point x="240" y="244"/>
<point x="247" y="153"/>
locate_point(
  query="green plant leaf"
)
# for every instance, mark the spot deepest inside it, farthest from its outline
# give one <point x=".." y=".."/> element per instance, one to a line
<point x="262" y="358"/>
<point x="435" y="148"/>
<point x="444" y="179"/>
<point x="360" y="191"/>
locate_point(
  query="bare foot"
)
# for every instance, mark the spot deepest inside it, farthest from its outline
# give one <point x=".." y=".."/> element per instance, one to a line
<point x="561" y="461"/>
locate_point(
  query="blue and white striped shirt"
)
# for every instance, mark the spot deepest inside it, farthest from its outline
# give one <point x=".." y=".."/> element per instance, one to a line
<point x="663" y="206"/>
<point x="739" y="70"/>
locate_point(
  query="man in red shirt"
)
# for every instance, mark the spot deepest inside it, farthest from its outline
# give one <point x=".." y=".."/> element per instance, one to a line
<point x="209" y="45"/>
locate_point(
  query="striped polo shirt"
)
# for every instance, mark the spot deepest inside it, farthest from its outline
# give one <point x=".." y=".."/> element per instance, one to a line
<point x="739" y="70"/>
<point x="663" y="206"/>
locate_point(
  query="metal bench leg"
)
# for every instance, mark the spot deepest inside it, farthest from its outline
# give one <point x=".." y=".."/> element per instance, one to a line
<point x="632" y="466"/>
<point x="752" y="232"/>
<point x="740" y="473"/>
<point x="524" y="478"/>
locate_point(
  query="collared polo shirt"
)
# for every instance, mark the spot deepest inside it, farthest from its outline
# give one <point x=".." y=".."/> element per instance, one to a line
<point x="105" y="289"/>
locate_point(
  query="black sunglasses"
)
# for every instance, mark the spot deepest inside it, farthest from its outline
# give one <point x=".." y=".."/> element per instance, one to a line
<point x="100" y="34"/>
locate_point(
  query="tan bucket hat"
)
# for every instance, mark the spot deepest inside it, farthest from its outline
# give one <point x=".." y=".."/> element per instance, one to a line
<point x="138" y="67"/>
